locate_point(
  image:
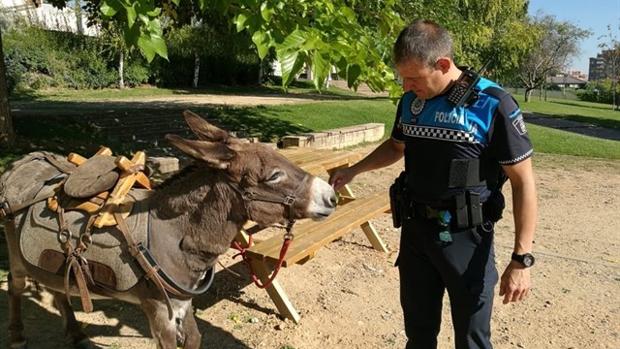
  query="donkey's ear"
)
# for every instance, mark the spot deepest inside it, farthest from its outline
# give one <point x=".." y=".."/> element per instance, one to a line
<point x="215" y="154"/>
<point x="204" y="130"/>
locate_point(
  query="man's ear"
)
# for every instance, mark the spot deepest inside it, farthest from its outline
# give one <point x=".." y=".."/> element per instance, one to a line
<point x="215" y="154"/>
<point x="443" y="64"/>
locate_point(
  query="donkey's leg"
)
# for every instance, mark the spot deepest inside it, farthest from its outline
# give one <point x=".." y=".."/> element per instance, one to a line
<point x="73" y="331"/>
<point x="191" y="334"/>
<point x="163" y="329"/>
<point x="17" y="286"/>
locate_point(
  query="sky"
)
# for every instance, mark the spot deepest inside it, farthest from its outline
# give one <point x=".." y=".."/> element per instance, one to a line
<point x="594" y="15"/>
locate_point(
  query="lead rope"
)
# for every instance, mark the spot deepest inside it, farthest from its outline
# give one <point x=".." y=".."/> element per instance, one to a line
<point x="288" y="238"/>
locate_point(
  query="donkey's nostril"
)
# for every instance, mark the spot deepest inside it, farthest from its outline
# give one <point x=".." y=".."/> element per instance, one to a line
<point x="333" y="200"/>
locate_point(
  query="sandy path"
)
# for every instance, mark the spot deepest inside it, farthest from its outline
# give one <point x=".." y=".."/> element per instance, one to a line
<point x="348" y="294"/>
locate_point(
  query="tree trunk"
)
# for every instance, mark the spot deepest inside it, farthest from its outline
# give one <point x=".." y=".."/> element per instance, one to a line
<point x="261" y="72"/>
<point x="196" y="70"/>
<point x="7" y="135"/>
<point x="528" y="94"/>
<point x="121" y="70"/>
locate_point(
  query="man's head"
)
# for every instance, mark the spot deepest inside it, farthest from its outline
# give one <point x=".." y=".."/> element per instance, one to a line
<point x="424" y="58"/>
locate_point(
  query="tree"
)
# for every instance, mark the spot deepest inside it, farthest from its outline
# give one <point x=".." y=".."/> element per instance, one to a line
<point x="7" y="135"/>
<point x="611" y="53"/>
<point x="477" y="27"/>
<point x="556" y="44"/>
<point x="323" y="33"/>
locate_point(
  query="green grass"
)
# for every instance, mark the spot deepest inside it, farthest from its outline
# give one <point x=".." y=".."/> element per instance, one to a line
<point x="302" y="88"/>
<point x="273" y="122"/>
<point x="594" y="113"/>
<point x="552" y="141"/>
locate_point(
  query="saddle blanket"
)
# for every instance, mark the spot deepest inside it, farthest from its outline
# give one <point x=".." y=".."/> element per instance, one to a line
<point x="38" y="236"/>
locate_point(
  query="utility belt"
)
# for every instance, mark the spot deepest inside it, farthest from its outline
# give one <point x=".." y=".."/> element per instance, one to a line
<point x="463" y="210"/>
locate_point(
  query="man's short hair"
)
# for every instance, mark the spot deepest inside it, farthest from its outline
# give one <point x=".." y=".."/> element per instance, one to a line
<point x="423" y="40"/>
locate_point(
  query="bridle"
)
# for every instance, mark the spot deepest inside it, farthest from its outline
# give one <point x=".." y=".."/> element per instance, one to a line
<point x="288" y="201"/>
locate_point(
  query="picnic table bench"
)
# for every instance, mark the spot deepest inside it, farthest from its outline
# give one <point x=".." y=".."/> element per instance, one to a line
<point x="352" y="212"/>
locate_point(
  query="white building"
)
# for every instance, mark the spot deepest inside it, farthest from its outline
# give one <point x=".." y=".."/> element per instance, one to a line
<point x="47" y="16"/>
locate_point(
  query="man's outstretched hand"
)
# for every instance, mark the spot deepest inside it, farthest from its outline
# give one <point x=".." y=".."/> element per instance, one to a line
<point x="515" y="283"/>
<point x="341" y="177"/>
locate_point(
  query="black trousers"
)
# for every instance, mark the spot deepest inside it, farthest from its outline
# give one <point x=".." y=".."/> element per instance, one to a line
<point x="465" y="267"/>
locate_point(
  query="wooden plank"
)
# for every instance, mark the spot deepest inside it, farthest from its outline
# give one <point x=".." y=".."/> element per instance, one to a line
<point x="272" y="246"/>
<point x="275" y="291"/>
<point x="375" y="239"/>
<point x="124" y="184"/>
<point x="324" y="235"/>
<point x="312" y="235"/>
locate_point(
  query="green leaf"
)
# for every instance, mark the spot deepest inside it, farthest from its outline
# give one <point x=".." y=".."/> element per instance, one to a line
<point x="261" y="40"/>
<point x="293" y="41"/>
<point x="152" y="45"/>
<point x="353" y="72"/>
<point x="107" y="10"/>
<point x="266" y="12"/>
<point x="131" y="15"/>
<point x="320" y="69"/>
<point x="240" y="21"/>
<point x="176" y="2"/>
<point x="156" y="12"/>
<point x="291" y="63"/>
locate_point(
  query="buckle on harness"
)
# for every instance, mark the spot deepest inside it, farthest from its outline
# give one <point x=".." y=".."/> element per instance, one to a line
<point x="289" y="200"/>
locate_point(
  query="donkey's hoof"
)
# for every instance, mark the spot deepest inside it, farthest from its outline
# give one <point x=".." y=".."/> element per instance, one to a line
<point x="84" y="344"/>
<point x="19" y="345"/>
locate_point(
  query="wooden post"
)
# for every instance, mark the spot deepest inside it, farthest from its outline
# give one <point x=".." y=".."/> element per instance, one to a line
<point x="276" y="292"/>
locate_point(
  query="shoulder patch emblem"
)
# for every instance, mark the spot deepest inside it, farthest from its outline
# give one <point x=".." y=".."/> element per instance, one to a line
<point x="519" y="125"/>
<point x="417" y="105"/>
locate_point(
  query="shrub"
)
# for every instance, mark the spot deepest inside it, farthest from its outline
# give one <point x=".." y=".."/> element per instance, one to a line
<point x="599" y="91"/>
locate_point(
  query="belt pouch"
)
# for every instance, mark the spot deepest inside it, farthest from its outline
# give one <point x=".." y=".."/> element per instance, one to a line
<point x="462" y="219"/>
<point x="475" y="208"/>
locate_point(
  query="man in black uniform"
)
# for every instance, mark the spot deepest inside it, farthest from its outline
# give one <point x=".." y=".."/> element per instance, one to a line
<point x="457" y="157"/>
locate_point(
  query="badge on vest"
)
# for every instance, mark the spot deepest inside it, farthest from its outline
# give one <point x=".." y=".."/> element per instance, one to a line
<point x="417" y="105"/>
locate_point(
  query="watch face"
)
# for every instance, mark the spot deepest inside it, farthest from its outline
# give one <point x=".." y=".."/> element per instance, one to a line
<point x="528" y="260"/>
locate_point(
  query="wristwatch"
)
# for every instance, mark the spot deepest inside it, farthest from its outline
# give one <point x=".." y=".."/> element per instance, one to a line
<point x="526" y="259"/>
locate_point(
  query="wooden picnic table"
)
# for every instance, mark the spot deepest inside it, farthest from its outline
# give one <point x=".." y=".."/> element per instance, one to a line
<point x="351" y="213"/>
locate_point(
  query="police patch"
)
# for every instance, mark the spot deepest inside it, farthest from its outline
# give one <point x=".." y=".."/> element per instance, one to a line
<point x="519" y="125"/>
<point x="417" y="105"/>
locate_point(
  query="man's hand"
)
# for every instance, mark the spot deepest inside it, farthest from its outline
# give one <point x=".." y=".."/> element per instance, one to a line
<point x="340" y="177"/>
<point x="515" y="283"/>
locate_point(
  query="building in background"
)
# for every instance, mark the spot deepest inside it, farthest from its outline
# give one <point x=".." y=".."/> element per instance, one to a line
<point x="565" y="80"/>
<point x="604" y="65"/>
<point x="40" y="14"/>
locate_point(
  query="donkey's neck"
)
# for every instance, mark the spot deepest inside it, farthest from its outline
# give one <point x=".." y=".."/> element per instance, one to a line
<point x="198" y="215"/>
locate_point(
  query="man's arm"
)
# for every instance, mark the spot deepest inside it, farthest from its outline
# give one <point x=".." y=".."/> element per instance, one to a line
<point x="384" y="155"/>
<point x="515" y="282"/>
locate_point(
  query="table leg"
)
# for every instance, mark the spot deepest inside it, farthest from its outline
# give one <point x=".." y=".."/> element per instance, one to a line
<point x="276" y="292"/>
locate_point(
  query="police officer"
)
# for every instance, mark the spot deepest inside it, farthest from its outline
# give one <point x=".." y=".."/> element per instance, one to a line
<point x="457" y="157"/>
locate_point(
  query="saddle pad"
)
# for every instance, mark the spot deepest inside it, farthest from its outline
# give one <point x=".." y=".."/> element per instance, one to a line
<point x="38" y="232"/>
<point x="33" y="178"/>
<point x="94" y="176"/>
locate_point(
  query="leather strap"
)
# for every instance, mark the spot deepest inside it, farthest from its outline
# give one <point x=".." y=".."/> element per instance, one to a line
<point x="149" y="269"/>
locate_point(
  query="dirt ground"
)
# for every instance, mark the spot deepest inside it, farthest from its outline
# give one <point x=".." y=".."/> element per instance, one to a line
<point x="348" y="294"/>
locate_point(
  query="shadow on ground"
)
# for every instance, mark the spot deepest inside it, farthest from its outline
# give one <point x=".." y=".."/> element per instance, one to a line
<point x="603" y="129"/>
<point x="43" y="327"/>
<point x="126" y="127"/>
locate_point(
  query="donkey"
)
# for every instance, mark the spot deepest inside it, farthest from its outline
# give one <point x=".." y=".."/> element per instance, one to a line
<point x="195" y="216"/>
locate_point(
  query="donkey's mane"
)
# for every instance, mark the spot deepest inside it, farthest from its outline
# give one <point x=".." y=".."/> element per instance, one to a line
<point x="185" y="171"/>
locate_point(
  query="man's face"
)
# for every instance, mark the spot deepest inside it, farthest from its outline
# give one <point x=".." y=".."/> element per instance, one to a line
<point x="425" y="81"/>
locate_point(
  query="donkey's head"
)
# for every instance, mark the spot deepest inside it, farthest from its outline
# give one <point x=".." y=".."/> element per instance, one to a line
<point x="272" y="189"/>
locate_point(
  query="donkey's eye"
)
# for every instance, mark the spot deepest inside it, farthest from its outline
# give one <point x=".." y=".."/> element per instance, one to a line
<point x="275" y="176"/>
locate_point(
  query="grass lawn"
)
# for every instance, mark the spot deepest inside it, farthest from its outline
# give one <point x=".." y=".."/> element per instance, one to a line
<point x="594" y="113"/>
<point x="300" y="88"/>
<point x="272" y="122"/>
